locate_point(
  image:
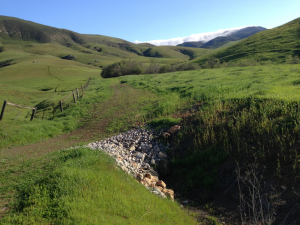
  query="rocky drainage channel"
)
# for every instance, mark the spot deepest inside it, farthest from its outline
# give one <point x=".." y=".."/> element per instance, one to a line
<point x="135" y="150"/>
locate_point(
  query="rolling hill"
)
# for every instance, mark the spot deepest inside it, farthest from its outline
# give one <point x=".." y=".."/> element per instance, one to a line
<point x="273" y="44"/>
<point x="26" y="37"/>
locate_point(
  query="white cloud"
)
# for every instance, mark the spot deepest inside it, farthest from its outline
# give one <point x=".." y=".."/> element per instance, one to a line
<point x="194" y="37"/>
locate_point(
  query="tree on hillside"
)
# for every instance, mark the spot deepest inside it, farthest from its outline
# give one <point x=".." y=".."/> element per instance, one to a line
<point x="212" y="63"/>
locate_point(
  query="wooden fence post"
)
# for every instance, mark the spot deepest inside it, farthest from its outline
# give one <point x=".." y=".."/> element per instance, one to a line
<point x="74" y="97"/>
<point x="3" y="109"/>
<point x="77" y="93"/>
<point x="43" y="113"/>
<point x="61" y="106"/>
<point x="33" y="113"/>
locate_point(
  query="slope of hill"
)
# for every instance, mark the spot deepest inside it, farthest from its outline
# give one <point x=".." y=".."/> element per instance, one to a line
<point x="220" y="41"/>
<point x="273" y="44"/>
<point x="20" y="36"/>
<point x="12" y="29"/>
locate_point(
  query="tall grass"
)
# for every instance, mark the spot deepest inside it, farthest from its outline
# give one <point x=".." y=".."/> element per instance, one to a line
<point x="242" y="112"/>
<point x="241" y="129"/>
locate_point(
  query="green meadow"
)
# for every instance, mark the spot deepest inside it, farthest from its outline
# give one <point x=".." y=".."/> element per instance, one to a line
<point x="245" y="111"/>
<point x="280" y="82"/>
<point x="228" y="114"/>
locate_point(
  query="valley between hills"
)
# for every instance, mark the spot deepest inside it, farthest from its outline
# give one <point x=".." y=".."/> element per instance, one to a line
<point x="234" y="158"/>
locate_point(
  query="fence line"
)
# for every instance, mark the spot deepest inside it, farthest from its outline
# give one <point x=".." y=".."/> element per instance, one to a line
<point x="77" y="94"/>
<point x="34" y="109"/>
<point x="17" y="105"/>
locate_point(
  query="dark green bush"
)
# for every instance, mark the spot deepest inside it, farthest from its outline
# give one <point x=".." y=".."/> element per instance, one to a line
<point x="122" y="68"/>
<point x="132" y="67"/>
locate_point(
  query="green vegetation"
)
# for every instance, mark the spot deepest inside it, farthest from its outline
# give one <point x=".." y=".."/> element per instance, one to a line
<point x="274" y="45"/>
<point x="21" y="37"/>
<point x="246" y="104"/>
<point x="131" y="67"/>
<point x="164" y="122"/>
<point x="84" y="186"/>
<point x="44" y="91"/>
<point x="239" y="111"/>
<point x="263" y="82"/>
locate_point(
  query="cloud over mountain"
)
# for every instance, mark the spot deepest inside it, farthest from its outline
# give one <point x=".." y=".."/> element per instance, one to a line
<point x="205" y="37"/>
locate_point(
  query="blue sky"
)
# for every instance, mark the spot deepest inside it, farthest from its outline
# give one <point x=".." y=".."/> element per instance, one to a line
<point x="151" y="20"/>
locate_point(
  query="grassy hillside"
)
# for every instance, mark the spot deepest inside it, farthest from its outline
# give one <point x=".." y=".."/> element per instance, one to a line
<point x="96" y="50"/>
<point x="83" y="186"/>
<point x="14" y="29"/>
<point x="274" y="45"/>
<point x="234" y="115"/>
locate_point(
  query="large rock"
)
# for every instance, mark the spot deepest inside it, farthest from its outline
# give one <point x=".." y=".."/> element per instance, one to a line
<point x="164" y="167"/>
<point x="153" y="162"/>
<point x="162" y="155"/>
<point x="173" y="129"/>
<point x="154" y="179"/>
<point x="169" y="193"/>
<point x="161" y="183"/>
<point x="145" y="147"/>
<point x="148" y="175"/>
<point x="160" y="188"/>
<point x="148" y="181"/>
<point x="166" y="135"/>
<point x="139" y="177"/>
<point x="151" y="171"/>
<point x="140" y="156"/>
<point x="158" y="192"/>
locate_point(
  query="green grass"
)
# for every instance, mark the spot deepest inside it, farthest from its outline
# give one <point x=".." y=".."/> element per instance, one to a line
<point x="243" y="112"/>
<point x="235" y="113"/>
<point x="164" y="122"/>
<point x="271" y="82"/>
<point x="83" y="186"/>
<point x="274" y="44"/>
<point x="31" y="39"/>
<point x="22" y="131"/>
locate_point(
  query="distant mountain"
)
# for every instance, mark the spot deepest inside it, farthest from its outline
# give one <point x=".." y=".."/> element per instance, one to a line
<point x="269" y="45"/>
<point x="247" y="32"/>
<point x="205" y="37"/>
<point x="221" y="40"/>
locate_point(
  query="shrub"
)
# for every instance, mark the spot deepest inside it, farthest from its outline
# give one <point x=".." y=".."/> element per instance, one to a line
<point x="122" y="68"/>
<point x="212" y="63"/>
<point x="132" y="67"/>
